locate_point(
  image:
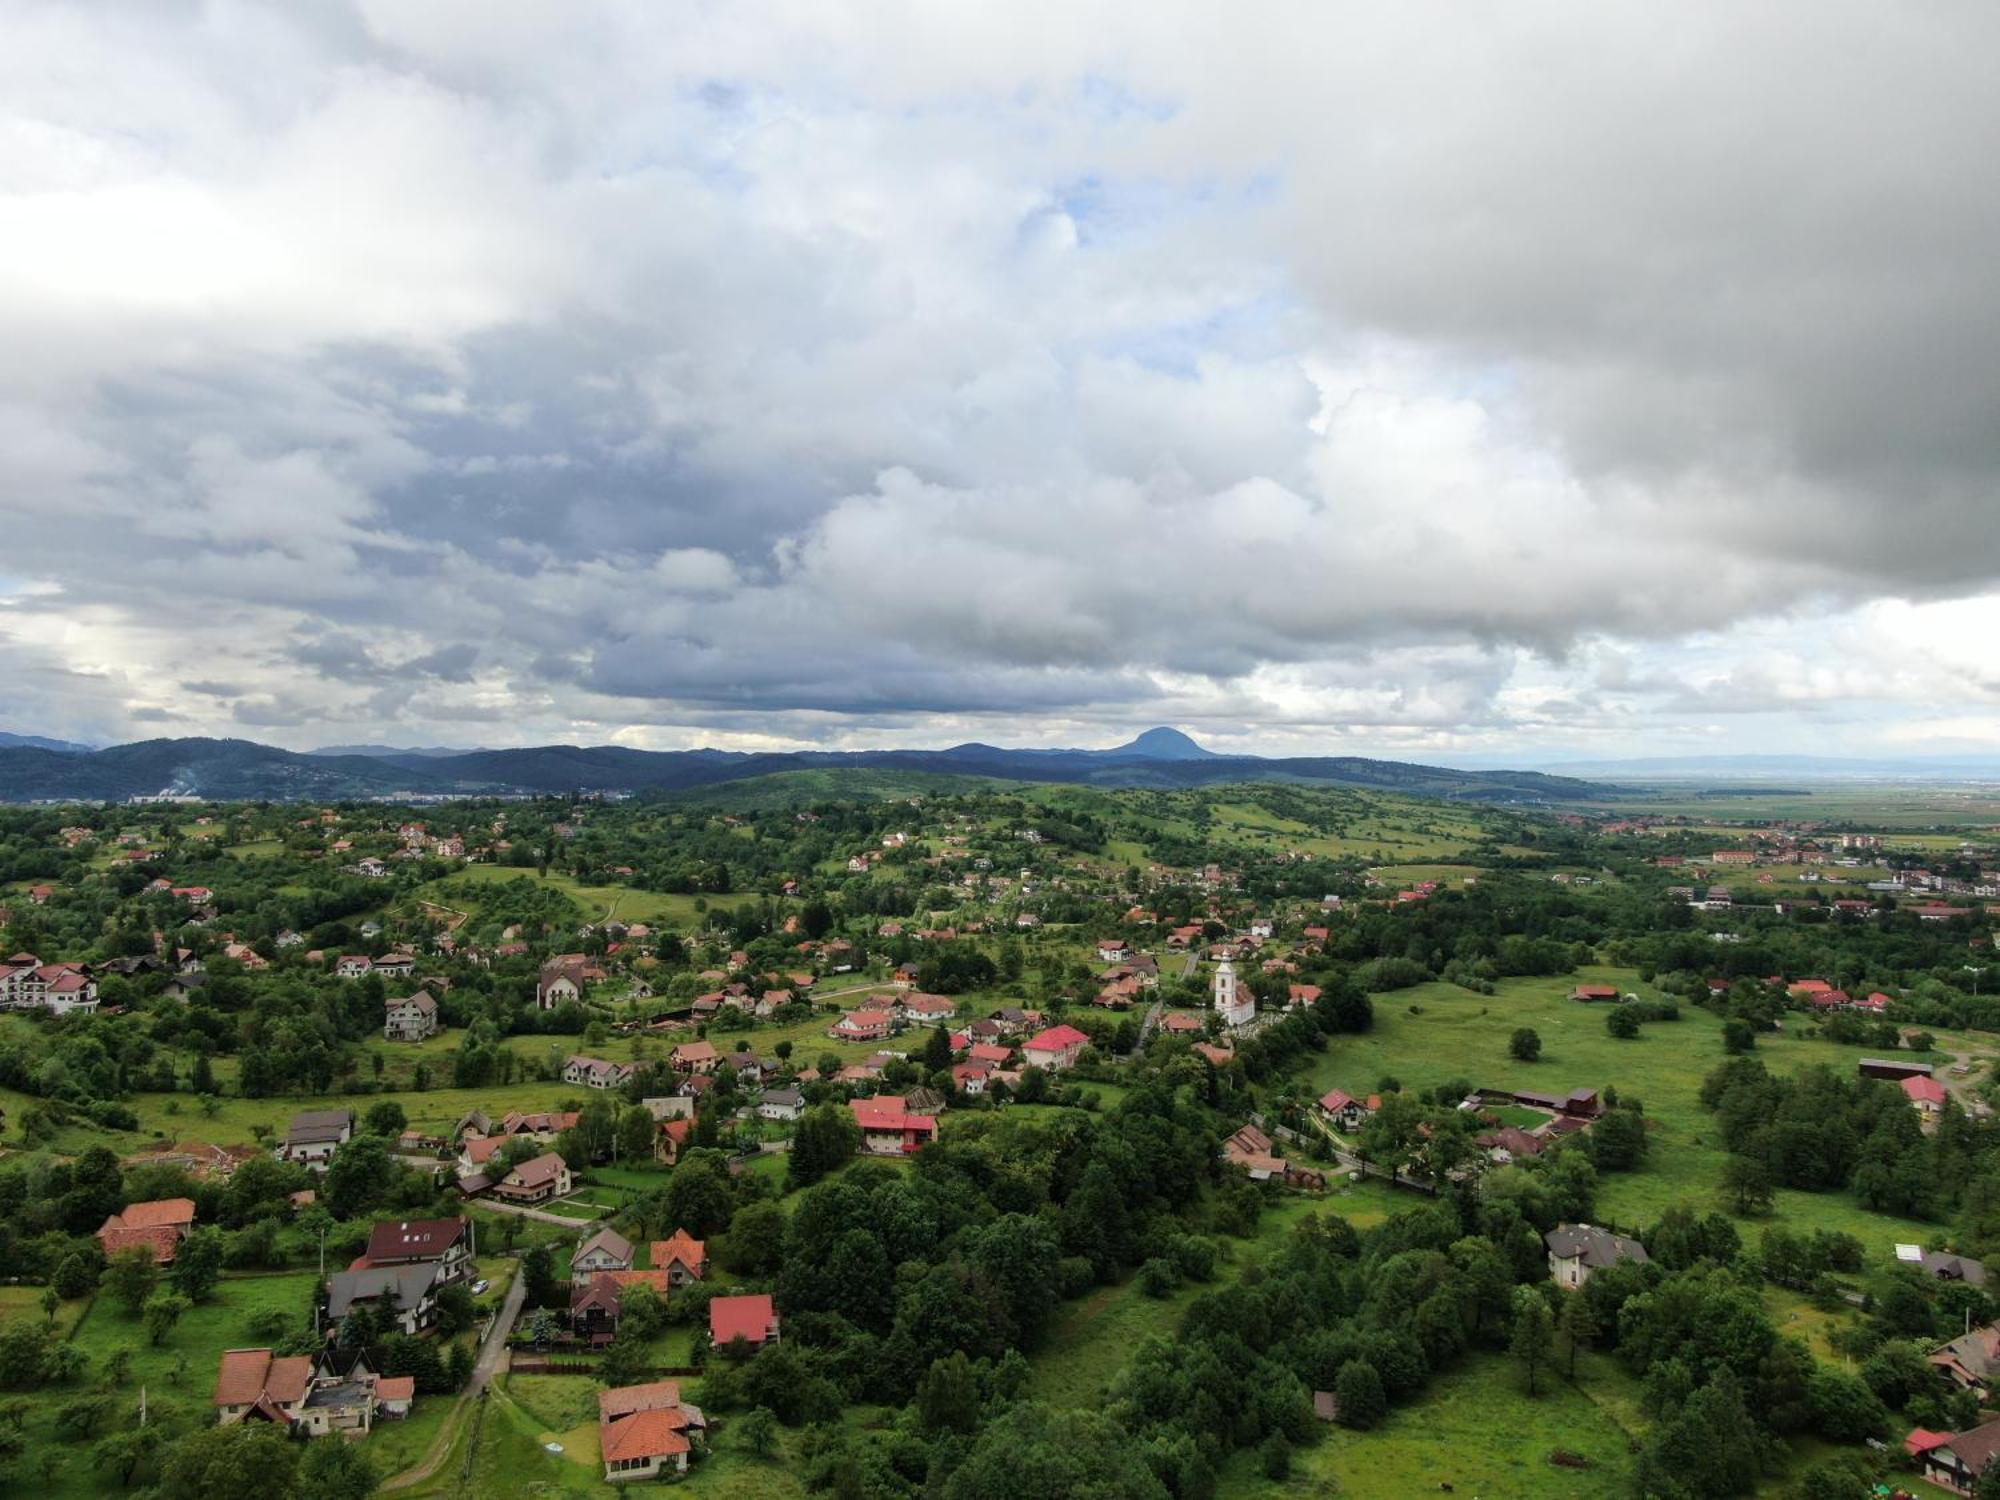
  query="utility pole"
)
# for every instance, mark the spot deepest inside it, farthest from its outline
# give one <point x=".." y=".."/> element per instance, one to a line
<point x="1975" y="971"/>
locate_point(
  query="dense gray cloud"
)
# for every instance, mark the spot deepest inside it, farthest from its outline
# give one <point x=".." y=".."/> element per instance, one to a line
<point x="1339" y="377"/>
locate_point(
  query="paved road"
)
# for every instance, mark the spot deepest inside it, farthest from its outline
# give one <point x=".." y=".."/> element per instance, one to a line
<point x="494" y="1345"/>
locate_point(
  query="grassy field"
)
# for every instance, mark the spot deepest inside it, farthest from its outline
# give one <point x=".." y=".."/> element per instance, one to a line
<point x="1433" y="1033"/>
<point x="1476" y="1430"/>
<point x="602" y="903"/>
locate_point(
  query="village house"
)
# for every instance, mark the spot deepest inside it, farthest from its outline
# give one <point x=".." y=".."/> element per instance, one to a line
<point x="861" y="1026"/>
<point x="1055" y="1049"/>
<point x="683" y="1258"/>
<point x="751" y="1319"/>
<point x="1595" y="994"/>
<point x="315" y="1134"/>
<point x="1941" y="1265"/>
<point x="408" y="1293"/>
<point x="447" y="1244"/>
<point x="410" y="1019"/>
<point x="780" y="1104"/>
<point x="353" y="966"/>
<point x="396" y="965"/>
<point x="536" y="1180"/>
<point x="694" y="1057"/>
<point x="606" y="1250"/>
<point x="1578" y="1250"/>
<point x="930" y="1010"/>
<point x="160" y="1225"/>
<point x="643" y="1431"/>
<point x="889" y="1128"/>
<point x="1971" y="1360"/>
<point x="1927" y="1094"/>
<point x="1347" y="1112"/>
<point x="1955" y="1460"/>
<point x="561" y="981"/>
<point x="596" y="1073"/>
<point x="671" y="1138"/>
<point x="337" y="1391"/>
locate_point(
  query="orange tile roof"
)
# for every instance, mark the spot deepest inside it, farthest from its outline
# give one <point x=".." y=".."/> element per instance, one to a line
<point x="646" y="1434"/>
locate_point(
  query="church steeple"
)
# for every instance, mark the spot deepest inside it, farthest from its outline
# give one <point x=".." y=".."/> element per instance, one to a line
<point x="1235" y="1004"/>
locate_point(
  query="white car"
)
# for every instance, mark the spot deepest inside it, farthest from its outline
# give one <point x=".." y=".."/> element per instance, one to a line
<point x="480" y="1285"/>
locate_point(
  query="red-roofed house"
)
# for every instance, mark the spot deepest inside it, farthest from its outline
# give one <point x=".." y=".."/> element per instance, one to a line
<point x="1302" y="995"/>
<point x="1347" y="1112"/>
<point x="160" y="1225"/>
<point x="889" y="1129"/>
<point x="644" y="1445"/>
<point x="1926" y="1093"/>
<point x="861" y="1026"/>
<point x="750" y="1318"/>
<point x="1058" y="1047"/>
<point x="683" y="1257"/>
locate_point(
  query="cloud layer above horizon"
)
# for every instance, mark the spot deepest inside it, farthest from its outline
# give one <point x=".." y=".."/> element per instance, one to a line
<point x="1322" y="378"/>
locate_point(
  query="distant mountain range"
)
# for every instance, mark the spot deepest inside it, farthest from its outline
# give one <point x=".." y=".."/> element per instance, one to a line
<point x="1821" y="767"/>
<point x="239" y="770"/>
<point x="37" y="742"/>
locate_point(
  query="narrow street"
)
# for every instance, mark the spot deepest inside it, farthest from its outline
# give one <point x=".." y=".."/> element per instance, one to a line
<point x="492" y="1349"/>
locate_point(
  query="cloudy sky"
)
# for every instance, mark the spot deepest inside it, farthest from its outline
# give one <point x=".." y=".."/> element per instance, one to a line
<point x="1514" y="381"/>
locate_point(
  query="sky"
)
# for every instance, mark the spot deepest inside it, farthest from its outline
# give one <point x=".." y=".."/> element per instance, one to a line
<point x="1523" y="381"/>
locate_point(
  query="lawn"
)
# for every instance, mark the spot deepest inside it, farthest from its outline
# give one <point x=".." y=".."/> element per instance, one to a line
<point x="1434" y="1033"/>
<point x="601" y="903"/>
<point x="1476" y="1430"/>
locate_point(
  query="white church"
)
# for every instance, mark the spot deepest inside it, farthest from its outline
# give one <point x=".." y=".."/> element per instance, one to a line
<point x="1233" y="1002"/>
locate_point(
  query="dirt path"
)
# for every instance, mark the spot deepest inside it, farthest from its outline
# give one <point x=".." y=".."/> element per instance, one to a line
<point x="492" y="1349"/>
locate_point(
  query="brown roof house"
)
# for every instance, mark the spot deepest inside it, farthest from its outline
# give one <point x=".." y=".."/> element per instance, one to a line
<point x="606" y="1250"/>
<point x="410" y="1019"/>
<point x="160" y="1225"/>
<point x="536" y="1180"/>
<point x="336" y="1391"/>
<point x="1961" y="1458"/>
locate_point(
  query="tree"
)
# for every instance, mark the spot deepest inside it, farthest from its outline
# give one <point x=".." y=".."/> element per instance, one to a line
<point x="76" y="1275"/>
<point x="336" y="1471"/>
<point x="1358" y="1390"/>
<point x="249" y="1458"/>
<point x="636" y="1130"/>
<point x="1618" y="1140"/>
<point x="825" y="1141"/>
<point x="123" y="1451"/>
<point x="1622" y="1023"/>
<point x="937" y="1051"/>
<point x="385" y="1118"/>
<point x="699" y="1196"/>
<point x="1534" y="1334"/>
<point x="755" y="1244"/>
<point x="1847" y="1476"/>
<point x="538" y="1278"/>
<point x="1035" y="1450"/>
<point x="1746" y="1185"/>
<point x="948" y="1395"/>
<point x="198" y="1264"/>
<point x="1737" y="1037"/>
<point x="1576" y="1327"/>
<point x="358" y="1177"/>
<point x="758" y="1431"/>
<point x="641" y="1313"/>
<point x="625" y="1362"/>
<point x="1525" y="1045"/>
<point x="130" y="1277"/>
<point x="163" y="1310"/>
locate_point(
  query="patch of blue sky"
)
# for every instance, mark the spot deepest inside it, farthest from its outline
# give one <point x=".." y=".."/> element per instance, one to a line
<point x="1248" y="326"/>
